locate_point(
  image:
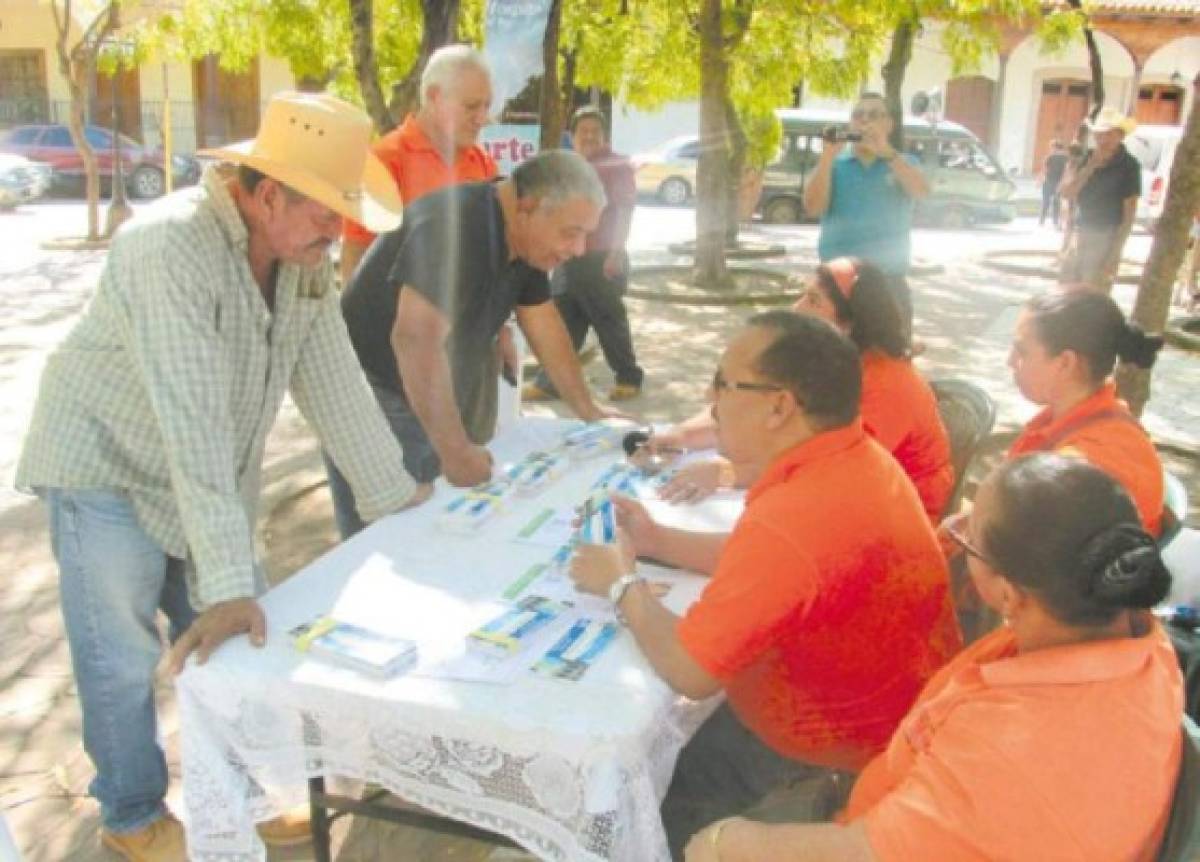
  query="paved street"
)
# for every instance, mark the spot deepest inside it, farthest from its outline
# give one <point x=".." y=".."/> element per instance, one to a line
<point x="965" y="316"/>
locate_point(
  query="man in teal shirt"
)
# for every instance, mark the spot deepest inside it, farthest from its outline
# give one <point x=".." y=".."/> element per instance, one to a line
<point x="864" y="197"/>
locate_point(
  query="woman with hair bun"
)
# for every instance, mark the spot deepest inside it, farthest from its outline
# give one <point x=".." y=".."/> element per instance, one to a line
<point x="898" y="408"/>
<point x="1055" y="737"/>
<point x="1063" y="354"/>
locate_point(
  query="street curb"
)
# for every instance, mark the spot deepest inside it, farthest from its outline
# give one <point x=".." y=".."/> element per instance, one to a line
<point x="1184" y="333"/>
<point x="699" y="297"/>
<point x="74" y="244"/>
<point x="741" y="251"/>
<point x="995" y="260"/>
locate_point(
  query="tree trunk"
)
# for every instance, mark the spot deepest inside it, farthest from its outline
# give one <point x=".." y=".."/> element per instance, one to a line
<point x="737" y="167"/>
<point x="567" y="88"/>
<point x="1153" y="302"/>
<point x="77" y="65"/>
<point x="893" y="77"/>
<point x="440" y="28"/>
<point x="550" y="114"/>
<point x="1097" y="69"/>
<point x="362" y="32"/>
<point x="712" y="172"/>
<point x="77" y="85"/>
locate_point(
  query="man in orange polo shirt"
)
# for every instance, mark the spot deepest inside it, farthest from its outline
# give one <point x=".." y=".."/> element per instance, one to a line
<point x="439" y="145"/>
<point x="829" y="605"/>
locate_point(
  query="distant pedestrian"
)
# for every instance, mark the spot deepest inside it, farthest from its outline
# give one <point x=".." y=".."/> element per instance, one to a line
<point x="1052" y="173"/>
<point x="588" y="290"/>
<point x="1106" y="191"/>
<point x="864" y="196"/>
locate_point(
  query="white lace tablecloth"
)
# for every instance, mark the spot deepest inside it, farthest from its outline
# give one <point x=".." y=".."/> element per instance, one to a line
<point x="570" y="770"/>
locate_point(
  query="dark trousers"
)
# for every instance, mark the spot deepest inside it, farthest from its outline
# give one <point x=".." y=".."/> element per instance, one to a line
<point x="1049" y="204"/>
<point x="723" y="771"/>
<point x="587" y="298"/>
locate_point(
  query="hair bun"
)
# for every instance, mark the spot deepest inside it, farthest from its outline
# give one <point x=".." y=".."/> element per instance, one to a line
<point x="1136" y="347"/>
<point x="1124" y="569"/>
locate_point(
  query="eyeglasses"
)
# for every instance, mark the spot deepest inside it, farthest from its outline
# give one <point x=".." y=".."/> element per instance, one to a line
<point x="960" y="538"/>
<point x="867" y="114"/>
<point x="719" y="383"/>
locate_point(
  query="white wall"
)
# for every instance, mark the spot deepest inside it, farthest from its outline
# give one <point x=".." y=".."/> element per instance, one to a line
<point x="635" y="131"/>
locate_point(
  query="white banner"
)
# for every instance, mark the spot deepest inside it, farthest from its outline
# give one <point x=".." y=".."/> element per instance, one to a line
<point x="513" y="34"/>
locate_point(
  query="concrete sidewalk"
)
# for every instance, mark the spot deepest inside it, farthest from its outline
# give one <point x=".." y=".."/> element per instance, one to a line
<point x="965" y="317"/>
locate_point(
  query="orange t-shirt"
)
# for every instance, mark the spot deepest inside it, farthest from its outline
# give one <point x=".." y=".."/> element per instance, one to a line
<point x="830" y="606"/>
<point x="900" y="411"/>
<point x="1066" y="753"/>
<point x="1104" y="433"/>
<point x="418" y="169"/>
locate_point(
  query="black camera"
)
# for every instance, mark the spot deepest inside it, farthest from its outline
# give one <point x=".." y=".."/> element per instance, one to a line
<point x="836" y="135"/>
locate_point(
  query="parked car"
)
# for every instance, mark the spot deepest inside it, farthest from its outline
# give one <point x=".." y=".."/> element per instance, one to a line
<point x="966" y="183"/>
<point x="21" y="180"/>
<point x="668" y="172"/>
<point x="142" y="167"/>
<point x="1154" y="147"/>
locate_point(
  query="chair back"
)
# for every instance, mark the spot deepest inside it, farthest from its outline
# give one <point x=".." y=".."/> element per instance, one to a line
<point x="968" y="414"/>
<point x="1182" y="841"/>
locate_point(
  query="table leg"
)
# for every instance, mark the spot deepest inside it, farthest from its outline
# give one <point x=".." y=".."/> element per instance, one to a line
<point x="319" y="815"/>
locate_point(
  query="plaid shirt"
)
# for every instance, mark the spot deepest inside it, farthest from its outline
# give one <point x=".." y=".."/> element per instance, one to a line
<point x="167" y="387"/>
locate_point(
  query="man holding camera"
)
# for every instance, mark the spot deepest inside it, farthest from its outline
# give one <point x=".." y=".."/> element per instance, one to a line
<point x="864" y="196"/>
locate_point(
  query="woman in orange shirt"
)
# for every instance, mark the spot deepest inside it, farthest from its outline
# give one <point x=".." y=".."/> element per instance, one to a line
<point x="1055" y="737"/>
<point x="898" y="407"/>
<point x="1063" y="354"/>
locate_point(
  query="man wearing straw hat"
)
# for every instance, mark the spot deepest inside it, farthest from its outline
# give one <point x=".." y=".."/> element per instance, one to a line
<point x="1106" y="191"/>
<point x="147" y="437"/>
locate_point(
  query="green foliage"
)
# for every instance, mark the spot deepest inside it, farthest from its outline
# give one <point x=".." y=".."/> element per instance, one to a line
<point x="313" y="36"/>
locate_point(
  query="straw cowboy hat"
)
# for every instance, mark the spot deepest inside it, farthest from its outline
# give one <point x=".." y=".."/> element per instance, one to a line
<point x="319" y="146"/>
<point x="1109" y="119"/>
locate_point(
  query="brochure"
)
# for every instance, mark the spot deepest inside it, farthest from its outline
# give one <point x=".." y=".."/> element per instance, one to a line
<point x="355" y="647"/>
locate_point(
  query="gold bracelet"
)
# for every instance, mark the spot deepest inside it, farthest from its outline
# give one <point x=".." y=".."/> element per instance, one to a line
<point x="715" y="836"/>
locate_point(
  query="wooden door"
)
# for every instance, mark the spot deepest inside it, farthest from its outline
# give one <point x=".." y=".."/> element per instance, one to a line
<point x="1159" y="104"/>
<point x="23" y="97"/>
<point x="124" y="85"/>
<point x="226" y="103"/>
<point x="1064" y="105"/>
<point x="969" y="103"/>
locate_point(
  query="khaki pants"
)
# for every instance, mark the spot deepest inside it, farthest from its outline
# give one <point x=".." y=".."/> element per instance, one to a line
<point x="1088" y="256"/>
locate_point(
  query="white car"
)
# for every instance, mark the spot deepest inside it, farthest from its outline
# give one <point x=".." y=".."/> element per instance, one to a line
<point x="21" y="180"/>
<point x="1154" y="148"/>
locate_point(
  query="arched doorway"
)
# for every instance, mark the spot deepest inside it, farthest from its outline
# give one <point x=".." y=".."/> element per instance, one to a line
<point x="1159" y="104"/>
<point x="1063" y="106"/>
<point x="969" y="103"/>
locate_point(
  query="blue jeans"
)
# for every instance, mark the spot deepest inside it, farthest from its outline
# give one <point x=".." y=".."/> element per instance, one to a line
<point x="420" y="459"/>
<point x="113" y="579"/>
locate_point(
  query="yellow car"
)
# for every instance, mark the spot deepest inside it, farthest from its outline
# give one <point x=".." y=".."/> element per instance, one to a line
<point x="668" y="172"/>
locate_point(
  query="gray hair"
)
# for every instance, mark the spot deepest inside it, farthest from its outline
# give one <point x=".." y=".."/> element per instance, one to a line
<point x="557" y="176"/>
<point x="447" y="63"/>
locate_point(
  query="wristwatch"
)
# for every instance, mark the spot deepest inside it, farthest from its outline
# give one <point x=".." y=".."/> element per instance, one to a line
<point x="618" y="589"/>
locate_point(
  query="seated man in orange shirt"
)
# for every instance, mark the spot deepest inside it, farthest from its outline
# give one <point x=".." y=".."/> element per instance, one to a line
<point x="1055" y="737"/>
<point x="829" y="606"/>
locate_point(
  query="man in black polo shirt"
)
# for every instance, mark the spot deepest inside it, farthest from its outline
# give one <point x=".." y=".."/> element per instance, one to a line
<point x="426" y="303"/>
<point x="1106" y="191"/>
